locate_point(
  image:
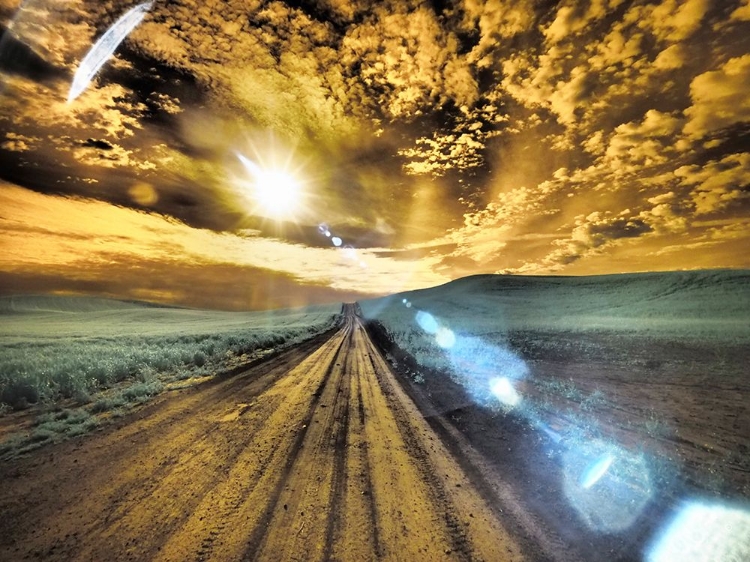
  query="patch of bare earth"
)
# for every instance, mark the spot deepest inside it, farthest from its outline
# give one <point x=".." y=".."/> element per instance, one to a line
<point x="682" y="404"/>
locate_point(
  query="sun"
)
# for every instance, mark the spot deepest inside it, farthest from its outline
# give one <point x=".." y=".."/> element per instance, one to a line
<point x="275" y="192"/>
<point x="278" y="193"/>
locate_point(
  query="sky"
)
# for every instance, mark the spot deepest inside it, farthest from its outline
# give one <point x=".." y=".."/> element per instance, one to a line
<point x="241" y="154"/>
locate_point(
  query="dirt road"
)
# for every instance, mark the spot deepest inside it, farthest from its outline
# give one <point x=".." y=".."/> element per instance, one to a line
<point x="316" y="454"/>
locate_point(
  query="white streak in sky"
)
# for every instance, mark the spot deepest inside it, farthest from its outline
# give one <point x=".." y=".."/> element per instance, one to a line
<point x="104" y="48"/>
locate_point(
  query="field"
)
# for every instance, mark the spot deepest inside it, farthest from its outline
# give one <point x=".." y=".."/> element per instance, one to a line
<point x="538" y="418"/>
<point x="639" y="381"/>
<point x="74" y="358"/>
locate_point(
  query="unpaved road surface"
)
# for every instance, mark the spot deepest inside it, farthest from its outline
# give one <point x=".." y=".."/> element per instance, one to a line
<point x="316" y="454"/>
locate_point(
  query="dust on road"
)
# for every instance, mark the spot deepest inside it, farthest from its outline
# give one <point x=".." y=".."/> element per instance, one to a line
<point x="316" y="454"/>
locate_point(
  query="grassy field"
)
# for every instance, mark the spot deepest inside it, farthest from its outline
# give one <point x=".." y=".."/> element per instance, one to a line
<point x="98" y="355"/>
<point x="652" y="362"/>
<point x="689" y="304"/>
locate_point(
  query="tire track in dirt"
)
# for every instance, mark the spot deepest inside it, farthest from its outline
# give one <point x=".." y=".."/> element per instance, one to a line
<point x="254" y="485"/>
<point x="438" y="495"/>
<point x="316" y="454"/>
<point x="141" y="522"/>
<point x="465" y="515"/>
<point x="306" y="489"/>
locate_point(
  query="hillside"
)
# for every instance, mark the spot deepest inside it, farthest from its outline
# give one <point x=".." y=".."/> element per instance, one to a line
<point x="43" y="317"/>
<point x="682" y="303"/>
<point x="29" y="304"/>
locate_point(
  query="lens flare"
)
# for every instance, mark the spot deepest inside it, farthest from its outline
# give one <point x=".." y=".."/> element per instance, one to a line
<point x="596" y="471"/>
<point x="349" y="252"/>
<point x="427" y="322"/>
<point x="104" y="48"/>
<point x="607" y="485"/>
<point x="143" y="193"/>
<point x="705" y="532"/>
<point x="445" y="337"/>
<point x="504" y="391"/>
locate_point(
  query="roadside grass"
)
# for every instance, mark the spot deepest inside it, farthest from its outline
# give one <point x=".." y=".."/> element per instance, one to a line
<point x="85" y="369"/>
<point x="49" y="427"/>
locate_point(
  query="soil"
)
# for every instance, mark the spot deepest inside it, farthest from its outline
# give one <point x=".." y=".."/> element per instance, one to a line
<point x="316" y="453"/>
<point x="669" y="402"/>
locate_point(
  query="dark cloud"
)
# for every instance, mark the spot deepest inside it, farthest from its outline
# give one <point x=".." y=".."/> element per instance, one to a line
<point x="99" y="144"/>
<point x="18" y="58"/>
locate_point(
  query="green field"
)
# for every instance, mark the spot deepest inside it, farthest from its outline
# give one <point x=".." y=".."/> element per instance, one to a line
<point x="55" y="348"/>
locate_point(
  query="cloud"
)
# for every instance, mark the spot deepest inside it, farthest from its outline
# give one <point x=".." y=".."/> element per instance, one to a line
<point x="572" y="18"/>
<point x="18" y="143"/>
<point x="342" y="10"/>
<point x="94" y="152"/>
<point x="497" y="21"/>
<point x="593" y="233"/>
<point x="617" y="48"/>
<point x="16" y="57"/>
<point x="602" y="232"/>
<point x="273" y="63"/>
<point x="594" y="144"/>
<point x="485" y="233"/>
<point x="411" y="72"/>
<point x="164" y="102"/>
<point x="443" y="152"/>
<point x="672" y="20"/>
<point x="104" y="109"/>
<point x="644" y="143"/>
<point x="668" y="214"/>
<point x="711" y="247"/>
<point x="671" y="58"/>
<point x="742" y="13"/>
<point x="718" y="185"/>
<point x="719" y="98"/>
<point x="74" y="236"/>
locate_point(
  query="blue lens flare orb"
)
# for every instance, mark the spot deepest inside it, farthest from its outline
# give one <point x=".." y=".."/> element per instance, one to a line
<point x="503" y="389"/>
<point x="445" y="337"/>
<point x="427" y="322"/>
<point x="484" y="366"/>
<point x="703" y="531"/>
<point x="596" y="471"/>
<point x="607" y="485"/>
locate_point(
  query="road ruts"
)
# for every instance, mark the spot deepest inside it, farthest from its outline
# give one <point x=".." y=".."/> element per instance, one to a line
<point x="316" y="454"/>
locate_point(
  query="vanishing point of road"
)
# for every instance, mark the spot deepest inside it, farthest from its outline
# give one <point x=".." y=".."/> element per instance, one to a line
<point x="314" y="454"/>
